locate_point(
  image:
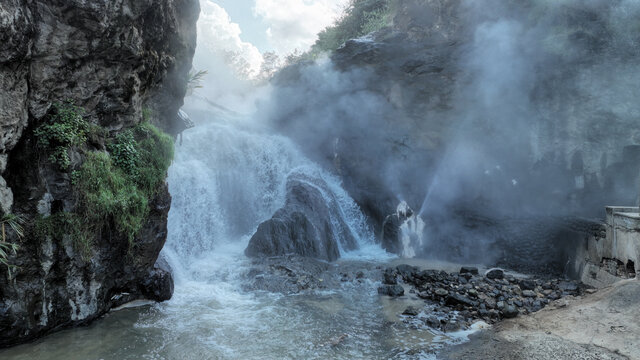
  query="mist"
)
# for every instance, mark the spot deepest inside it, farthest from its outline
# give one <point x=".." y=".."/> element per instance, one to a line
<point x="511" y="111"/>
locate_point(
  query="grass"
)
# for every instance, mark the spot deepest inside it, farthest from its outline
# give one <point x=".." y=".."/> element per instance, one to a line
<point x="112" y="188"/>
<point x="106" y="193"/>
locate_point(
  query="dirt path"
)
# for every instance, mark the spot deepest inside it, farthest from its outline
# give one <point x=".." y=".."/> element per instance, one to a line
<point x="604" y="325"/>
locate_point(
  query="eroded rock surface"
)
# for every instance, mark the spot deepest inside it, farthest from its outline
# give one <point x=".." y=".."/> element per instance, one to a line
<point x="116" y="60"/>
<point x="309" y="224"/>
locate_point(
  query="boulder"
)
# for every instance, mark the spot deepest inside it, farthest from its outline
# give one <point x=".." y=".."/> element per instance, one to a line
<point x="307" y="225"/>
<point x="158" y="285"/>
<point x="510" y="311"/>
<point x="494" y="274"/>
<point x="411" y="311"/>
<point x="527" y="284"/>
<point x="391" y="290"/>
<point x="469" y="270"/>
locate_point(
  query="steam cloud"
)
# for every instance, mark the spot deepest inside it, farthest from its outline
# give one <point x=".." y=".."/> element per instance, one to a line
<point x="527" y="116"/>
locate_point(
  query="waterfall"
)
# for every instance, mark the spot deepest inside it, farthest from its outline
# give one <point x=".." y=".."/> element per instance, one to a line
<point x="228" y="177"/>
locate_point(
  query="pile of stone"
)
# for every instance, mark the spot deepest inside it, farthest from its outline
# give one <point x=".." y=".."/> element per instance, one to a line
<point x="464" y="297"/>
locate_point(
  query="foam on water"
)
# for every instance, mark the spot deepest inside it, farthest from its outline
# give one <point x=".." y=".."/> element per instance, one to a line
<point x="227" y="178"/>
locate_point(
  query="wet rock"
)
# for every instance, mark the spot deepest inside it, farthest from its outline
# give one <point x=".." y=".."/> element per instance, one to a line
<point x="510" y="311"/>
<point x="411" y="311"/>
<point x="457" y="299"/>
<point x="304" y="226"/>
<point x="158" y="285"/>
<point x="391" y="290"/>
<point x="433" y="322"/>
<point x="451" y="326"/>
<point x="568" y="286"/>
<point x="527" y="284"/>
<point x="494" y="274"/>
<point x="389" y="277"/>
<point x="407" y="271"/>
<point x="529" y="293"/>
<point x="469" y="270"/>
<point x="441" y="292"/>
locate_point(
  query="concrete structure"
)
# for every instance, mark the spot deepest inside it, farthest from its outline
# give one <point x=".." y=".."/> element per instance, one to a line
<point x="613" y="254"/>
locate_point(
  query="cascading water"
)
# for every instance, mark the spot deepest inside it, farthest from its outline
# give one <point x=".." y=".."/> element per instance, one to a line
<point x="411" y="231"/>
<point x="228" y="176"/>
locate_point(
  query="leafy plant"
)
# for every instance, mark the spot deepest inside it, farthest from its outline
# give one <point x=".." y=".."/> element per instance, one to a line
<point x="15" y="223"/>
<point x="194" y="80"/>
<point x="63" y="129"/>
<point x="106" y="193"/>
<point x="360" y="18"/>
<point x="111" y="188"/>
<point x="125" y="152"/>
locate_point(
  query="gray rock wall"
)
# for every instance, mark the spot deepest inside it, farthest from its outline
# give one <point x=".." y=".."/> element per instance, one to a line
<point x="115" y="59"/>
<point x="511" y="109"/>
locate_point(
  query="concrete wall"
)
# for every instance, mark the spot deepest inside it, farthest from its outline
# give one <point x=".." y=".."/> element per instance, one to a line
<point x="620" y="241"/>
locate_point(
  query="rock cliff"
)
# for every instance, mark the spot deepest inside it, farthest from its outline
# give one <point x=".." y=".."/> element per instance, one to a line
<point x="501" y="108"/>
<point x="121" y="63"/>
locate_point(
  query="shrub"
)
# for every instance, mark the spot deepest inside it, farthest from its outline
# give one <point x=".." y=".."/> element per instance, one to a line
<point x="63" y="129"/>
<point x="360" y="18"/>
<point x="155" y="154"/>
<point x="143" y="153"/>
<point x="106" y="193"/>
<point x="111" y="188"/>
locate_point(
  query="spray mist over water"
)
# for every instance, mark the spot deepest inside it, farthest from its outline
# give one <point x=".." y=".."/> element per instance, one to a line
<point x="228" y="177"/>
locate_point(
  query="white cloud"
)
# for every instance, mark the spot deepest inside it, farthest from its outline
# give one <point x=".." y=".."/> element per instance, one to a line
<point x="294" y="24"/>
<point x="219" y="37"/>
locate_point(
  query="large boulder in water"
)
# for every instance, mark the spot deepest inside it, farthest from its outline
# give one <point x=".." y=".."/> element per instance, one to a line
<point x="310" y="224"/>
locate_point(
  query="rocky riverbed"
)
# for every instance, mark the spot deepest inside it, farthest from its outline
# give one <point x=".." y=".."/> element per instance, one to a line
<point x="454" y="301"/>
<point x="447" y="301"/>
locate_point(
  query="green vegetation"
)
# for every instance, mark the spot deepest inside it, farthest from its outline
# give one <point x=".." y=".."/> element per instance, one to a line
<point x="146" y="114"/>
<point x="14" y="223"/>
<point x="144" y="154"/>
<point x="194" y="80"/>
<point x="111" y="188"/>
<point x="106" y="193"/>
<point x="360" y="18"/>
<point x="63" y="129"/>
<point x="67" y="223"/>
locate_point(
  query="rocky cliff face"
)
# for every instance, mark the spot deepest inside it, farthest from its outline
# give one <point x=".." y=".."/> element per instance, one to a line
<point x="115" y="60"/>
<point x="502" y="108"/>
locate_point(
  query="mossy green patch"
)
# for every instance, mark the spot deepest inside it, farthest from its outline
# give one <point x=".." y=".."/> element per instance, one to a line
<point x="114" y="188"/>
<point x="64" y="128"/>
<point x="105" y="192"/>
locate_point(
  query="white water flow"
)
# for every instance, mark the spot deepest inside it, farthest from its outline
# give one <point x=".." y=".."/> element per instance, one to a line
<point x="227" y="178"/>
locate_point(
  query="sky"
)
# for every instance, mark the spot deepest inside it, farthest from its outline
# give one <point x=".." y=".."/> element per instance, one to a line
<point x="251" y="27"/>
